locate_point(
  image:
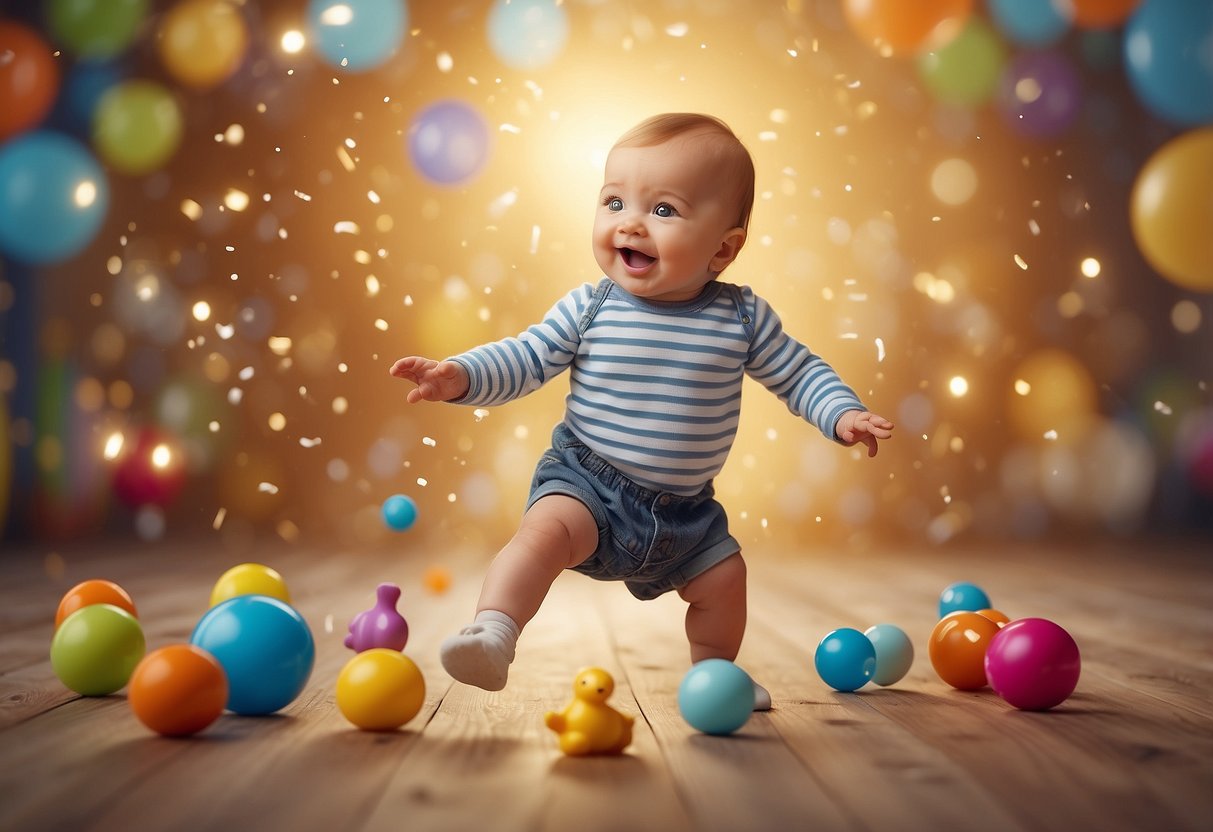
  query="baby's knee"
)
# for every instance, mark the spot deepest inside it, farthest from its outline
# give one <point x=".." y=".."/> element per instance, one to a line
<point x="724" y="580"/>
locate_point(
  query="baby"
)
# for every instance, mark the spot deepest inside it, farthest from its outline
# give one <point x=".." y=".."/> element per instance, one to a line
<point x="656" y="351"/>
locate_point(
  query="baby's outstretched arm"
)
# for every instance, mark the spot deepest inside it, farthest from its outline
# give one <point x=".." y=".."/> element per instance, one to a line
<point x="862" y="426"/>
<point x="437" y="381"/>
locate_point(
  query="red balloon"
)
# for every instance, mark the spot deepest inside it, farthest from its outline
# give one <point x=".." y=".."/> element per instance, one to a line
<point x="29" y="78"/>
<point x="150" y="471"/>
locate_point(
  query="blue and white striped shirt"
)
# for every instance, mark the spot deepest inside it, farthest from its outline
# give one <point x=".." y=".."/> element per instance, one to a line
<point x="655" y="387"/>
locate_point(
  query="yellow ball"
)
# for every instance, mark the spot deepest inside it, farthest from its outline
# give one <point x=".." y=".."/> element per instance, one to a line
<point x="1172" y="212"/>
<point x="249" y="579"/>
<point x="380" y="689"/>
<point x="202" y="42"/>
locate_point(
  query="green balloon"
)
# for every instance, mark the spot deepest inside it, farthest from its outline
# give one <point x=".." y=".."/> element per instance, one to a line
<point x="96" y="28"/>
<point x="965" y="70"/>
<point x="96" y="648"/>
<point x="137" y="126"/>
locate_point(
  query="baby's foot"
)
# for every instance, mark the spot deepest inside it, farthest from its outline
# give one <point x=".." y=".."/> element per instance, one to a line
<point x="480" y="654"/>
<point x="762" y="698"/>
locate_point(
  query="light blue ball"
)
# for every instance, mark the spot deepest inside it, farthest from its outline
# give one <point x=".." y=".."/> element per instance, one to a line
<point x="53" y="197"/>
<point x="894" y="652"/>
<point x="357" y="35"/>
<point x="1030" y="22"/>
<point x="1169" y="59"/>
<point x="528" y="34"/>
<point x="399" y="512"/>
<point x="265" y="648"/>
<point x="716" y="696"/>
<point x="845" y="659"/>
<point x="448" y="142"/>
<point x="962" y="595"/>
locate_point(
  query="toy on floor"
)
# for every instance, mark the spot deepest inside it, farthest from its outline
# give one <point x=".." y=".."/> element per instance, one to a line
<point x="96" y="648"/>
<point x="380" y="689"/>
<point x="1033" y="664"/>
<point x="399" y="512"/>
<point x="250" y="579"/>
<point x="381" y="625"/>
<point x="588" y="725"/>
<point x="958" y="648"/>
<point x="94" y="591"/>
<point x="264" y="646"/>
<point x="894" y="653"/>
<point x="716" y="696"/>
<point x="962" y="596"/>
<point x="178" y="690"/>
<point x="845" y="659"/>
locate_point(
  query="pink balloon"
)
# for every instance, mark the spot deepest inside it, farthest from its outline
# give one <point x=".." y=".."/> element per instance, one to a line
<point x="1033" y="664"/>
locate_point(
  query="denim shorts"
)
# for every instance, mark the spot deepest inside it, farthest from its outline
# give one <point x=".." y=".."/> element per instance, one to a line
<point x="652" y="541"/>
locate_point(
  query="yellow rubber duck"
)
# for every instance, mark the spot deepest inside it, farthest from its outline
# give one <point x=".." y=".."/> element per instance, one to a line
<point x="588" y="725"/>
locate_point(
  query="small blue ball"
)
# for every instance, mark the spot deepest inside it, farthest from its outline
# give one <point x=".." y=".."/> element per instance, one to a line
<point x="962" y="596"/>
<point x="845" y="659"/>
<point x="399" y="512"/>
<point x="265" y="648"/>
<point x="716" y="696"/>
<point x="894" y="652"/>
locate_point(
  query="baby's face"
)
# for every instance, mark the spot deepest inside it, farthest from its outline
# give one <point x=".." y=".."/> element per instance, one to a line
<point x="665" y="224"/>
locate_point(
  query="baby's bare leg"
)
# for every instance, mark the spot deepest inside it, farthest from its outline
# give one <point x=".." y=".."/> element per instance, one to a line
<point x="716" y="616"/>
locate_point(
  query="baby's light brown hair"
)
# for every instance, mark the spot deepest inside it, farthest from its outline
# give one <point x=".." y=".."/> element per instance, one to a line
<point x="734" y="162"/>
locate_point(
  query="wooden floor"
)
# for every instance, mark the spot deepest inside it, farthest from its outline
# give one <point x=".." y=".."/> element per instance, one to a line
<point x="1131" y="749"/>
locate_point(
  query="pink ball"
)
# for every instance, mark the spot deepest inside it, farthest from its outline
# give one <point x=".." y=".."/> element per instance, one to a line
<point x="1033" y="664"/>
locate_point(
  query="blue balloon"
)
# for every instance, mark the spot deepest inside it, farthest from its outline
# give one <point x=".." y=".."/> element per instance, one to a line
<point x="399" y="512"/>
<point x="962" y="596"/>
<point x="845" y="659"/>
<point x="448" y="142"/>
<point x="528" y="33"/>
<point x="716" y="696"/>
<point x="357" y="35"/>
<point x="53" y="197"/>
<point x="1031" y="22"/>
<point x="265" y="648"/>
<point x="1169" y="58"/>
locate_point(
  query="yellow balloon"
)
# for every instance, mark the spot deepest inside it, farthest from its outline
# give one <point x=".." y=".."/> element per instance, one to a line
<point x="1172" y="210"/>
<point x="380" y="689"/>
<point x="249" y="579"/>
<point x="202" y="42"/>
<point x="1052" y="398"/>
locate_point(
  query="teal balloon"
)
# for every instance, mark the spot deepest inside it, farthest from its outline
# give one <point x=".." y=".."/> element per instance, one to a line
<point x="1169" y="59"/>
<point x="96" y="28"/>
<point x="1031" y="22"/>
<point x="528" y="34"/>
<point x="357" y="35"/>
<point x="53" y="197"/>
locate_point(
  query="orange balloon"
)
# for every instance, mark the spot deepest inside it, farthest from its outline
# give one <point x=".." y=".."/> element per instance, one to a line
<point x="202" y="42"/>
<point x="178" y="690"/>
<point x="958" y="649"/>
<point x="93" y="591"/>
<point x="901" y="27"/>
<point x="1102" y="14"/>
<point x="29" y="78"/>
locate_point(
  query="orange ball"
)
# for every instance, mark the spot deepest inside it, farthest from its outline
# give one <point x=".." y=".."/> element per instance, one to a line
<point x="958" y="648"/>
<point x="178" y="690"/>
<point x="998" y="617"/>
<point x="94" y="591"/>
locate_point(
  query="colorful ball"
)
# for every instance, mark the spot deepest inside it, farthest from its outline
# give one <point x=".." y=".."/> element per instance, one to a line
<point x="845" y="659"/>
<point x="95" y="29"/>
<point x="1167" y="59"/>
<point x="357" y="35"/>
<point x="380" y="689"/>
<point x="249" y="579"/>
<point x="399" y="512"/>
<point x="29" y="78"/>
<point x="448" y="142"/>
<point x="958" y="649"/>
<point x="997" y="616"/>
<point x="178" y="690"/>
<point x="964" y="71"/>
<point x="1033" y="664"/>
<point x="962" y="596"/>
<point x="93" y="591"/>
<point x="897" y="27"/>
<point x="202" y="42"/>
<point x="716" y="696"/>
<point x="265" y="648"/>
<point x="528" y="34"/>
<point x="137" y="126"/>
<point x="95" y="650"/>
<point x="894" y="653"/>
<point x="1030" y="22"/>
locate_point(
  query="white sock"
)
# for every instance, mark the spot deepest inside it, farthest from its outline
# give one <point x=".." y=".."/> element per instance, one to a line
<point x="480" y="654"/>
<point x="762" y="698"/>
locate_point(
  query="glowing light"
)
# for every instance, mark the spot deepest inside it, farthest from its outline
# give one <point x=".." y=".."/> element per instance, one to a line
<point x="954" y="181"/>
<point x="191" y="209"/>
<point x="202" y="311"/>
<point x="958" y="386"/>
<point x="338" y="14"/>
<point x="162" y="456"/>
<point x="113" y="445"/>
<point x="1090" y="267"/>
<point x="293" y="42"/>
<point x="1186" y="317"/>
<point x="86" y="193"/>
<point x="1022" y="387"/>
<point x="235" y="199"/>
<point x="1028" y="90"/>
<point x="276" y="421"/>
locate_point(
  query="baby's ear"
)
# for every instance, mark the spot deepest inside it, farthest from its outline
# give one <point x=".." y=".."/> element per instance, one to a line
<point x="730" y="247"/>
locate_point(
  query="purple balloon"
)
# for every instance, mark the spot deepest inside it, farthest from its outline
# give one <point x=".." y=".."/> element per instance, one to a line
<point x="1040" y="94"/>
<point x="381" y="625"/>
<point x="1033" y="664"/>
<point x="448" y="142"/>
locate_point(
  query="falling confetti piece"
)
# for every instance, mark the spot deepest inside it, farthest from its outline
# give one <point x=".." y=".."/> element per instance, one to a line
<point x="309" y="443"/>
<point x="303" y="196"/>
<point x="225" y="331"/>
<point x="1163" y="408"/>
<point x="346" y="227"/>
<point x="433" y="443"/>
<point x="328" y="623"/>
<point x="267" y="488"/>
<point x="1051" y="435"/>
<point x="479" y="413"/>
<point x="534" y="239"/>
<point x="220" y="516"/>
<point x="879" y="350"/>
<point x="1019" y="261"/>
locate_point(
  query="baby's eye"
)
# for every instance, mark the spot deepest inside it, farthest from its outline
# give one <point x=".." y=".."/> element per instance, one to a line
<point x="614" y="203"/>
<point x="665" y="209"/>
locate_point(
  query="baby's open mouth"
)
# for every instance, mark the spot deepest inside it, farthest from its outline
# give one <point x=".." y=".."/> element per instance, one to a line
<point x="634" y="259"/>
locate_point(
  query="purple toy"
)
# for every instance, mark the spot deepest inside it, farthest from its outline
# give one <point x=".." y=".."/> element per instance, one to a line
<point x="381" y="625"/>
<point x="1033" y="664"/>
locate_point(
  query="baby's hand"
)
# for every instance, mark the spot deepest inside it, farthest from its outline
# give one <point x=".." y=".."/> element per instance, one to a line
<point x="862" y="426"/>
<point x="437" y="381"/>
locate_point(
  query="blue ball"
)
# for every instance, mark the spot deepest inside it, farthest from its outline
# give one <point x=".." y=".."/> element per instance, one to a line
<point x="448" y="142"/>
<point x="1030" y="22"/>
<point x="357" y="35"/>
<point x="894" y="652"/>
<point x="964" y="596"/>
<point x="265" y="648"/>
<point x="399" y="512"/>
<point x="528" y="34"/>
<point x="716" y="696"/>
<point x="845" y="659"/>
<point x="1167" y="56"/>
<point x="53" y="197"/>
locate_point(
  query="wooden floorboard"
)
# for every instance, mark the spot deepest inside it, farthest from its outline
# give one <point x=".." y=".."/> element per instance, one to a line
<point x="1131" y="749"/>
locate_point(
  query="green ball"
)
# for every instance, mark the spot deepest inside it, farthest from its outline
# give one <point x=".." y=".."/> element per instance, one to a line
<point x="96" y="29"/>
<point x="96" y="648"/>
<point x="137" y="126"/>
